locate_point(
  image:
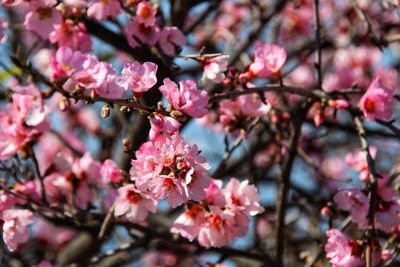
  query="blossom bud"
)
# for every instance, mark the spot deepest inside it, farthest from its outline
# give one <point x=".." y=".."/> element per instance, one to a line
<point x="318" y="118"/>
<point x="105" y="111"/>
<point x="338" y="104"/>
<point x="63" y="104"/>
<point x="326" y="212"/>
<point x="126" y="145"/>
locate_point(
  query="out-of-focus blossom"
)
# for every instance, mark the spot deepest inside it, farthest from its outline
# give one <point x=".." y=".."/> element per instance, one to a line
<point x="72" y="35"/>
<point x="138" y="34"/>
<point x="377" y="102"/>
<point x="42" y="17"/>
<point x="268" y="60"/>
<point x="15" y="227"/>
<point x="111" y="173"/>
<point x="343" y="252"/>
<point x="146" y="14"/>
<point x="215" y="67"/>
<point x="101" y="9"/>
<point x="170" y="39"/>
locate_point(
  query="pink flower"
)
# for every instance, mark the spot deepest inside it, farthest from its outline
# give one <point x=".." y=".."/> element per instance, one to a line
<point x="42" y="17"/>
<point x="60" y="190"/>
<point x="29" y="105"/>
<point x="268" y="60"/>
<point x="215" y="67"/>
<point x="50" y="234"/>
<point x="138" y="77"/>
<point x="87" y="117"/>
<point x="251" y="105"/>
<point x="15" y="227"/>
<point x="138" y="34"/>
<point x="111" y="173"/>
<point x="171" y="169"/>
<point x="243" y="197"/>
<point x="377" y="101"/>
<point x="186" y="98"/>
<point x="3" y="27"/>
<point x="170" y="39"/>
<point x="215" y="195"/>
<point x="358" y="161"/>
<point x="163" y="127"/>
<point x="355" y="201"/>
<point x="188" y="224"/>
<point x="87" y="168"/>
<point x="221" y="227"/>
<point x="72" y="35"/>
<point x="101" y="9"/>
<point x="342" y="252"/>
<point x="66" y="61"/>
<point x="146" y="14"/>
<point x="133" y="204"/>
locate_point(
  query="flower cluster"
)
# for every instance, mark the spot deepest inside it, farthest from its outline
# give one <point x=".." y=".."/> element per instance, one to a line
<point x="222" y="216"/>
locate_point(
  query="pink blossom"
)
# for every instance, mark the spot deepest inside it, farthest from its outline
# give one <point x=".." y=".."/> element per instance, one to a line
<point x="24" y="120"/>
<point x="66" y="61"/>
<point x="215" y="67"/>
<point x="138" y="34"/>
<point x="243" y="197"/>
<point x="87" y="117"/>
<point x="215" y="195"/>
<point x="50" y="234"/>
<point x="101" y="9"/>
<point x="134" y="204"/>
<point x="29" y="105"/>
<point x="251" y="105"/>
<point x="163" y="127"/>
<point x="3" y="27"/>
<point x="15" y="227"/>
<point x="342" y="252"/>
<point x="171" y="169"/>
<point x="170" y="39"/>
<point x="358" y="161"/>
<point x="221" y="227"/>
<point x="186" y="98"/>
<point x="146" y="14"/>
<point x="60" y="190"/>
<point x="377" y="101"/>
<point x="188" y="224"/>
<point x="111" y="173"/>
<point x="356" y="202"/>
<point x="138" y="77"/>
<point x="72" y="35"/>
<point x="42" y="17"/>
<point x="268" y="60"/>
<point x="87" y="168"/>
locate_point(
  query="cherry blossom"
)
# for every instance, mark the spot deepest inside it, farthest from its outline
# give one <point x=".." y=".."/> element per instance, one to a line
<point x="186" y="98"/>
<point x="138" y="77"/>
<point x="215" y="67"/>
<point x="170" y="39"/>
<point x="268" y="60"/>
<point x="133" y="204"/>
<point x="15" y="227"/>
<point x="341" y="251"/>
<point x="42" y="17"/>
<point x="377" y="101"/>
<point x="101" y="9"/>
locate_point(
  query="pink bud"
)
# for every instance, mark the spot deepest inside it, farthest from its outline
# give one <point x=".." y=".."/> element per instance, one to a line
<point x="338" y="104"/>
<point x="318" y="118"/>
<point x="326" y="212"/>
